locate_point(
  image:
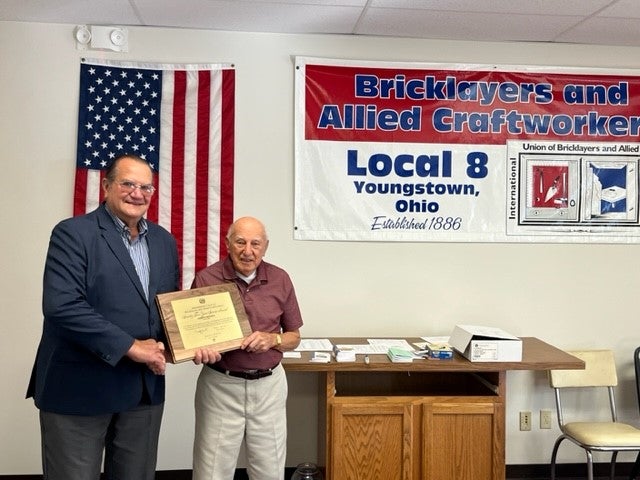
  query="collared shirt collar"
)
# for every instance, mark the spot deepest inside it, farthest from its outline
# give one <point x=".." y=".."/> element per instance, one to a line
<point x="123" y="229"/>
<point x="230" y="273"/>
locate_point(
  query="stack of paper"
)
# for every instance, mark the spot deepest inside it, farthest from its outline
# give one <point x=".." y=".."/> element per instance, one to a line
<point x="320" y="357"/>
<point x="400" y="355"/>
<point x="344" y="354"/>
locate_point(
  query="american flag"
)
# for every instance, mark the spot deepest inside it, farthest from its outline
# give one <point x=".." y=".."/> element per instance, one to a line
<point x="180" y="118"/>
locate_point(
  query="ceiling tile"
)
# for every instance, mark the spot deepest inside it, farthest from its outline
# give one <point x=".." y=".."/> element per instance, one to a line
<point x="250" y="16"/>
<point x="487" y="26"/>
<point x="97" y="12"/>
<point x="618" y="31"/>
<point x="532" y="7"/>
<point x="622" y="9"/>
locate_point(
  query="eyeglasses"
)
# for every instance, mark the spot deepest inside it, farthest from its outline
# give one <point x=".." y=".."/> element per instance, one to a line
<point x="129" y="187"/>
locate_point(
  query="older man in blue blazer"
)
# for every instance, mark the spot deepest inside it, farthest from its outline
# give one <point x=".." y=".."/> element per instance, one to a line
<point x="98" y="375"/>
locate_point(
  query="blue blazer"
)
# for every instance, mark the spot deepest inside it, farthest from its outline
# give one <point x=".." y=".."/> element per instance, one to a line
<point x="94" y="307"/>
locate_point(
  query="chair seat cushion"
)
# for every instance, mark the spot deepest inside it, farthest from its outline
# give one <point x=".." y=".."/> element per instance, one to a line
<point x="603" y="434"/>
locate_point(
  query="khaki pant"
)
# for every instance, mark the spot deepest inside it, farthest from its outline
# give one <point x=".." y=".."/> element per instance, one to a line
<point x="230" y="410"/>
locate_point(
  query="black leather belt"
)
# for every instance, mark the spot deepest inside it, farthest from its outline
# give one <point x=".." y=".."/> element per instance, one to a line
<point x="246" y="374"/>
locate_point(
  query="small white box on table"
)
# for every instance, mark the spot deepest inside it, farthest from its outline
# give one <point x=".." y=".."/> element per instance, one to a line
<point x="486" y="344"/>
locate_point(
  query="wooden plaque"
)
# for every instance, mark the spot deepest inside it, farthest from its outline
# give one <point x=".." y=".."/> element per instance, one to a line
<point x="212" y="317"/>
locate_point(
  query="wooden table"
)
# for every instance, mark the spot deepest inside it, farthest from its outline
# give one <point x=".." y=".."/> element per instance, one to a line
<point x="425" y="420"/>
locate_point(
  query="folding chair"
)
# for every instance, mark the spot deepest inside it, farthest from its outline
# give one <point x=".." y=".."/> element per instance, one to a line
<point x="593" y="436"/>
<point x="636" y="362"/>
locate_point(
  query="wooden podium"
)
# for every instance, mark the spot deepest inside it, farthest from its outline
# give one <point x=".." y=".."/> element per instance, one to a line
<point x="425" y="420"/>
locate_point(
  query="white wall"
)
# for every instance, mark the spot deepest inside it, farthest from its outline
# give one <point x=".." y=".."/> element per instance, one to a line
<point x="572" y="296"/>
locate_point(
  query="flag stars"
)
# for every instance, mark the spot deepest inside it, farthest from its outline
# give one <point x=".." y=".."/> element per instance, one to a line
<point x="120" y="111"/>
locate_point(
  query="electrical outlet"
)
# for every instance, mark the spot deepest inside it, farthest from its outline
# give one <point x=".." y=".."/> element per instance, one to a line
<point x="525" y="421"/>
<point x="545" y="418"/>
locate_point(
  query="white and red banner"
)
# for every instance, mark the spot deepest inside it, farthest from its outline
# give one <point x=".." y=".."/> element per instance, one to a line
<point x="435" y="152"/>
<point x="180" y="118"/>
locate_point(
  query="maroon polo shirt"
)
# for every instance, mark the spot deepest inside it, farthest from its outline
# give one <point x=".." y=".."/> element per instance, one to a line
<point x="271" y="305"/>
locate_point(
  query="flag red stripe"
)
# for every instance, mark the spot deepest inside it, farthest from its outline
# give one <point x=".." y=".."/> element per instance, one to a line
<point x="152" y="212"/>
<point x="202" y="169"/>
<point x="177" y="158"/>
<point x="80" y="192"/>
<point x="227" y="155"/>
<point x="101" y="195"/>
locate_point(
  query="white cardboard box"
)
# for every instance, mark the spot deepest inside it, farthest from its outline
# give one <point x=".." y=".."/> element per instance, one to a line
<point x="486" y="344"/>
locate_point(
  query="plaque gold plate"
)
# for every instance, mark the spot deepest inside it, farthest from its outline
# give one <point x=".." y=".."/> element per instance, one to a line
<point x="207" y="317"/>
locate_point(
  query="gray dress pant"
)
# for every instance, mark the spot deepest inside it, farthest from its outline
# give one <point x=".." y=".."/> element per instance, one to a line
<point x="73" y="445"/>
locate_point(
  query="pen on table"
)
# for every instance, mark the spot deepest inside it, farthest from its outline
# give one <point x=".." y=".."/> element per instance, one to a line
<point x="366" y="359"/>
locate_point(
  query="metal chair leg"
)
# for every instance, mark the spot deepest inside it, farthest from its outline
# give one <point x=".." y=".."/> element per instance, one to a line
<point x="635" y="470"/>
<point x="589" y="465"/>
<point x="613" y="465"/>
<point x="554" y="454"/>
